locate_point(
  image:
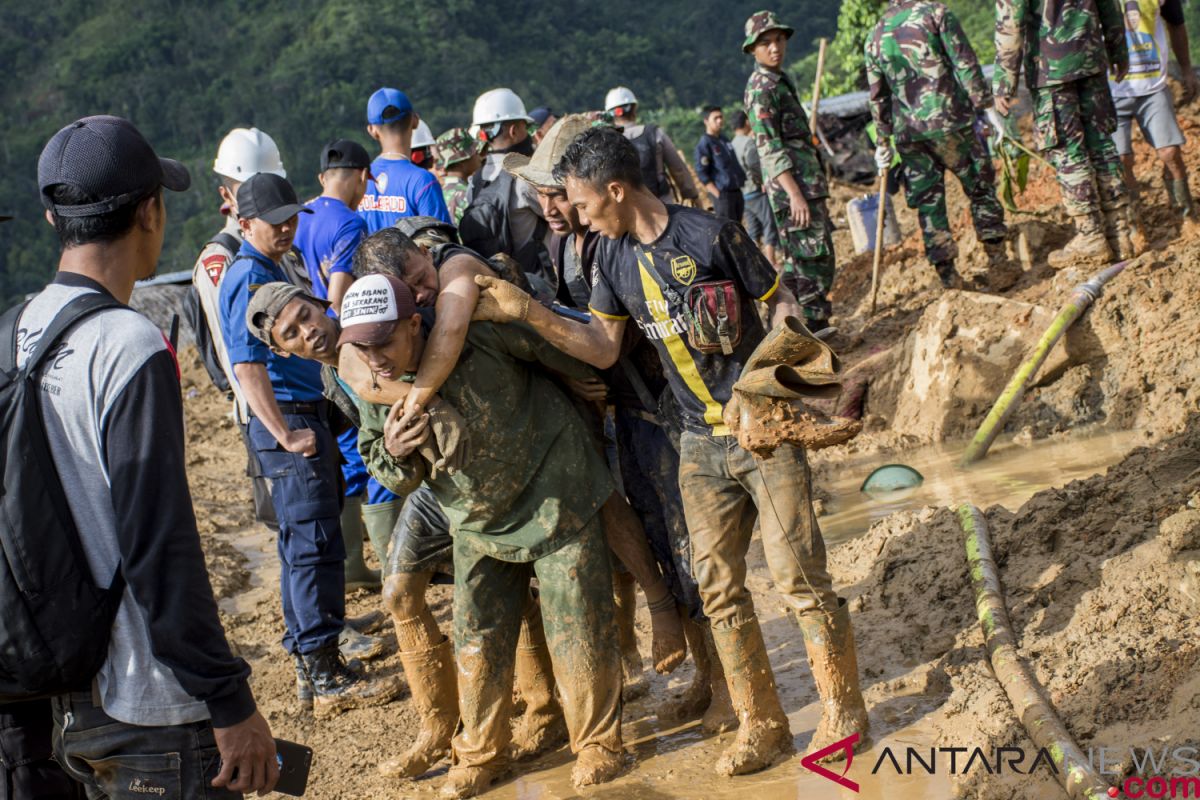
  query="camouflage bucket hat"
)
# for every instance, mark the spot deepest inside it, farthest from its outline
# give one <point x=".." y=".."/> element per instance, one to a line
<point x="758" y="24"/>
<point x="455" y="145"/>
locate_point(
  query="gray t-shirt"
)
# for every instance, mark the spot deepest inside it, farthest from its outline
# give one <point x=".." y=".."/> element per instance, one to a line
<point x="747" y="156"/>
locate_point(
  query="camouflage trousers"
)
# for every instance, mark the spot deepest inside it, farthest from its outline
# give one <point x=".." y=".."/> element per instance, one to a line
<point x="807" y="258"/>
<point x="1073" y="125"/>
<point x="925" y="166"/>
<point x="575" y="587"/>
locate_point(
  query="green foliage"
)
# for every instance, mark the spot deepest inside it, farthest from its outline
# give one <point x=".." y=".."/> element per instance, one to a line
<point x="187" y="71"/>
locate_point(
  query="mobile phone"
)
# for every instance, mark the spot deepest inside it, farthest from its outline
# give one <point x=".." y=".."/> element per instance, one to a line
<point x="294" y="760"/>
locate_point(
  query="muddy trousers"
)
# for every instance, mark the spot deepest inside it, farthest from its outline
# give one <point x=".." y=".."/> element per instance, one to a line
<point x="925" y="166"/>
<point x="725" y="489"/>
<point x="575" y="585"/>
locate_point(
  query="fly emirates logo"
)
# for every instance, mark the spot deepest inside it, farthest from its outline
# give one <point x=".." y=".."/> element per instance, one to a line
<point x="664" y="325"/>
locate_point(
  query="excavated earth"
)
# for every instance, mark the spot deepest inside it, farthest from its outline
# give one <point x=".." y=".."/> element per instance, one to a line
<point x="1102" y="573"/>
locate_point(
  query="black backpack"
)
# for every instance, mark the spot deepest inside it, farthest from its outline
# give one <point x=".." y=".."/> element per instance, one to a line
<point x="56" y="624"/>
<point x="193" y="313"/>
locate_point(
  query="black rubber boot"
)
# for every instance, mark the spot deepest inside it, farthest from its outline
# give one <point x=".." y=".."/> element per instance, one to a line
<point x="948" y="275"/>
<point x="304" y="690"/>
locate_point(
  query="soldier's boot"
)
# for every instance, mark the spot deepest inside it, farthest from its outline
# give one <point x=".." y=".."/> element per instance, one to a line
<point x="431" y="680"/>
<point x="542" y="725"/>
<point x="948" y="275"/>
<point x="721" y="716"/>
<point x="764" y="736"/>
<point x="304" y="689"/>
<point x="357" y="646"/>
<point x="337" y="688"/>
<point x="380" y="521"/>
<point x="633" y="685"/>
<point x="1002" y="271"/>
<point x="697" y="697"/>
<point x="595" y="764"/>
<point x="358" y="576"/>
<point x="829" y="641"/>
<point x="1089" y="247"/>
<point x="1118" y="232"/>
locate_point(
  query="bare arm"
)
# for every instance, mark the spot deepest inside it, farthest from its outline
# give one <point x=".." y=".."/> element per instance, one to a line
<point x="782" y="305"/>
<point x="256" y="386"/>
<point x="674" y="164"/>
<point x="1180" y="47"/>
<point x="339" y="283"/>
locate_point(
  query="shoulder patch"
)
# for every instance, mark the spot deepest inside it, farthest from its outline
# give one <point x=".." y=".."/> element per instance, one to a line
<point x="214" y="266"/>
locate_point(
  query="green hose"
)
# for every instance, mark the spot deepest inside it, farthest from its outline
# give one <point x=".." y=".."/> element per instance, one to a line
<point x="1036" y="713"/>
<point x="1081" y="298"/>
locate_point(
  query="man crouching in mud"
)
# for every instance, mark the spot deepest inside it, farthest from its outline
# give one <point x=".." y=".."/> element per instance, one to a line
<point x="525" y="503"/>
<point x="689" y="281"/>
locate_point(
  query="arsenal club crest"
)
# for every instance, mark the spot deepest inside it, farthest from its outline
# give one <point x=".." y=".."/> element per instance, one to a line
<point x="684" y="269"/>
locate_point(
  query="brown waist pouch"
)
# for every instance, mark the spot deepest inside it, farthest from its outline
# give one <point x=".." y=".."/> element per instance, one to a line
<point x="714" y="317"/>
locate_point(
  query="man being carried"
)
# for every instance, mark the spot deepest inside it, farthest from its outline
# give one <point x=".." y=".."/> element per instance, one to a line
<point x="399" y="188"/>
<point x="1065" y="48"/>
<point x="657" y="154"/>
<point x="511" y="519"/>
<point x="926" y="91"/>
<point x="653" y="256"/>
<point x="718" y="168"/>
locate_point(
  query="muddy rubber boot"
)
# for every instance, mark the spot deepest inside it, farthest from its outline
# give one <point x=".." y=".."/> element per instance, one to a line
<point x="337" y="688"/>
<point x="1089" y="247"/>
<point x="948" y="275"/>
<point x="357" y="574"/>
<point x="380" y="520"/>
<point x="304" y="689"/>
<point x="1002" y="271"/>
<point x="1118" y="232"/>
<point x="633" y="685"/>
<point x="764" y="736"/>
<point x="594" y="765"/>
<point x="358" y="646"/>
<point x="831" y="655"/>
<point x="1181" y="197"/>
<point x="542" y="725"/>
<point x="721" y="717"/>
<point x="431" y="680"/>
<point x="697" y="697"/>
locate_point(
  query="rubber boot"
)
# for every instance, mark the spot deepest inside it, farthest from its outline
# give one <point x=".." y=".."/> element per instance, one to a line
<point x="698" y="695"/>
<point x="431" y="679"/>
<point x="1118" y="232"/>
<point x="480" y="756"/>
<point x="380" y="521"/>
<point x="542" y="725"/>
<point x="764" y="736"/>
<point x="1088" y="248"/>
<point x="359" y="646"/>
<point x="1002" y="271"/>
<point x="304" y="689"/>
<point x="594" y="765"/>
<point x="634" y="685"/>
<point x="337" y="688"/>
<point x="948" y="275"/>
<point x="357" y="574"/>
<point x="721" y="716"/>
<point x="829" y="641"/>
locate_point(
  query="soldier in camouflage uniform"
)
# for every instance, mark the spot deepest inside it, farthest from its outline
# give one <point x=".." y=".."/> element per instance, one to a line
<point x="793" y="176"/>
<point x="459" y="159"/>
<point x="1065" y="48"/>
<point x="926" y="90"/>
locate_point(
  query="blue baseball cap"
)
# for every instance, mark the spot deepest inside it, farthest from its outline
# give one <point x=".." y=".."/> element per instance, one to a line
<point x="387" y="105"/>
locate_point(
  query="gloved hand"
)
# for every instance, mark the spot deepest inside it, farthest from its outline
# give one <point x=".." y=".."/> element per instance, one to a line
<point x="884" y="155"/>
<point x="500" y="301"/>
<point x="997" y="124"/>
<point x="449" y="447"/>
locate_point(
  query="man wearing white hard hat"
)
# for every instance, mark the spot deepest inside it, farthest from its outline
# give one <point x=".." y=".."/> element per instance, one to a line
<point x="499" y="115"/>
<point x="656" y="152"/>
<point x="422" y="146"/>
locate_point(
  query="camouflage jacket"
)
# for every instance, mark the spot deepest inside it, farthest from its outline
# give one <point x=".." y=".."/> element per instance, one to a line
<point x="924" y="78"/>
<point x="458" y="196"/>
<point x="781" y="131"/>
<point x="1056" y="41"/>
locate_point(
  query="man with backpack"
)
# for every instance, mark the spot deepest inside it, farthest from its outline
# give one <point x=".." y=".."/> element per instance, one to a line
<point x="656" y="152"/>
<point x="139" y="706"/>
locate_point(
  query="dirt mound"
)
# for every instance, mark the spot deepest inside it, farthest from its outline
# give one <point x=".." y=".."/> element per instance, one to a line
<point x="1103" y="585"/>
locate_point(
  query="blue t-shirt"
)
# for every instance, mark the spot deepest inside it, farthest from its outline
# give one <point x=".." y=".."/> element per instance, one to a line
<point x="294" y="380"/>
<point x="400" y="189"/>
<point x="327" y="238"/>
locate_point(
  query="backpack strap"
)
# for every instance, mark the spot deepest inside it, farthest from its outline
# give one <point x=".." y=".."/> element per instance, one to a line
<point x="82" y="306"/>
<point x="226" y="240"/>
<point x="8" y="337"/>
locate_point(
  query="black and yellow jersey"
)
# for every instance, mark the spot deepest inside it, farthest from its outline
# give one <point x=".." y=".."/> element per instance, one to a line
<point x="695" y="248"/>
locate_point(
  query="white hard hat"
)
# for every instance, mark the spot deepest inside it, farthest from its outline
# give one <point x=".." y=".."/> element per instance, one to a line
<point x="245" y="152"/>
<point x="619" y="96"/>
<point x="498" y="105"/>
<point x="422" y="136"/>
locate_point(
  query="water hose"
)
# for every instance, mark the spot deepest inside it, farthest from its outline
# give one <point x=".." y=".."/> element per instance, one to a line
<point x="1082" y="297"/>
<point x="1037" y="715"/>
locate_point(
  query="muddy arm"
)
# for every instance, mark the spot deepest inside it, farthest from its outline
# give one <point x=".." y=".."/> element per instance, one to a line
<point x="455" y="303"/>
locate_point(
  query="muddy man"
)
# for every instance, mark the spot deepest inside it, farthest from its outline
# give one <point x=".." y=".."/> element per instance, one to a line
<point x="689" y="281"/>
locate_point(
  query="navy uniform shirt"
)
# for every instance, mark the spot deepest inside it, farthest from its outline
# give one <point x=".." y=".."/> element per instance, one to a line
<point x="695" y="248"/>
<point x="716" y="163"/>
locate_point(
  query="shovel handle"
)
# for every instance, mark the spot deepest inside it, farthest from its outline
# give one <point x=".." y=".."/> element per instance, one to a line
<point x="879" y="212"/>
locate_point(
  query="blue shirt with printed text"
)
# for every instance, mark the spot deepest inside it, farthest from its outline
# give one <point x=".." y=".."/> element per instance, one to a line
<point x="400" y="189"/>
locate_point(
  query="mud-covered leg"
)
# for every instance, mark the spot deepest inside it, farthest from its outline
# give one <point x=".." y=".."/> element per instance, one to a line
<point x="698" y="694"/>
<point x="1100" y="120"/>
<point x="634" y="684"/>
<point x="542" y="725"/>
<point x="576" y="592"/>
<point x="925" y="182"/>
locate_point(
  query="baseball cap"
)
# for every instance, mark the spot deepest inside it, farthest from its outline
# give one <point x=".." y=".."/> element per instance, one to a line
<point x="345" y="153"/>
<point x="268" y="197"/>
<point x="372" y="308"/>
<point x="268" y="302"/>
<point x="387" y="105"/>
<point x="540" y="114"/>
<point x="109" y="159"/>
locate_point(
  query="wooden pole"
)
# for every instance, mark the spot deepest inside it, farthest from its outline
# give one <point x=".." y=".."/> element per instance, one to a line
<point x="879" y="213"/>
<point x="818" y="139"/>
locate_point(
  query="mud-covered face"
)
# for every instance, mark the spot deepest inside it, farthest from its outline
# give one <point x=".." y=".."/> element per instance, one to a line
<point x="399" y="355"/>
<point x="771" y="48"/>
<point x="601" y="206"/>
<point x="304" y="329"/>
<point x="421" y="276"/>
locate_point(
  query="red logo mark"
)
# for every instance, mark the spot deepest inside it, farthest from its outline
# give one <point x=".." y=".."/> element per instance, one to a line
<point x="1113" y="791"/>
<point x="214" y="266"/>
<point x="811" y="760"/>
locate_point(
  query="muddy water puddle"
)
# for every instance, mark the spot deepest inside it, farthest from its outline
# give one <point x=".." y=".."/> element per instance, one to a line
<point x="257" y="544"/>
<point x="1010" y="475"/>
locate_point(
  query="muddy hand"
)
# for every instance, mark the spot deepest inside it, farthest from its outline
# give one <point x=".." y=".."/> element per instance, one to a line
<point x="451" y="435"/>
<point x="592" y="390"/>
<point x="400" y="440"/>
<point x="500" y="301"/>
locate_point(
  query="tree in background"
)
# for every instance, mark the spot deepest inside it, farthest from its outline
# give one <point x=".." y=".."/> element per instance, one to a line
<point x="844" y="70"/>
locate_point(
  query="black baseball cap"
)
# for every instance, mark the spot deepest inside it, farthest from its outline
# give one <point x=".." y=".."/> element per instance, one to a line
<point x="268" y="197"/>
<point x="345" y="153"/>
<point x="109" y="159"/>
<point x="540" y="114"/>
